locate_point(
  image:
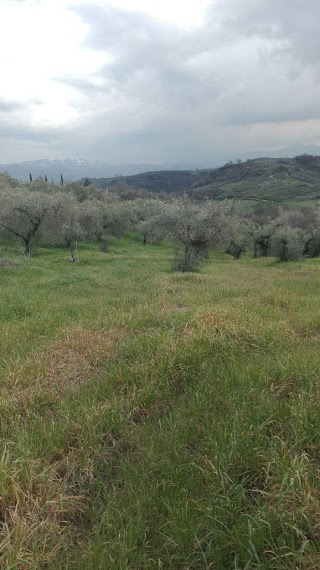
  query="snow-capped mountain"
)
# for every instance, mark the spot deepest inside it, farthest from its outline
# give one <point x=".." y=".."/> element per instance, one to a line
<point x="75" y="169"/>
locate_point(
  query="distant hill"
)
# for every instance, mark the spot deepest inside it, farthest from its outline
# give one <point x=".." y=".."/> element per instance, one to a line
<point x="75" y="169"/>
<point x="275" y="179"/>
<point x="284" y="152"/>
<point x="157" y="181"/>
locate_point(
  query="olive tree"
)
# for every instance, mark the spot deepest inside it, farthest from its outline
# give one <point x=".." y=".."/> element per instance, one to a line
<point x="287" y="243"/>
<point x="118" y="217"/>
<point x="262" y="242"/>
<point x="311" y="226"/>
<point x="241" y="232"/>
<point x="193" y="227"/>
<point x="90" y="214"/>
<point x="101" y="218"/>
<point x="145" y="211"/>
<point x="84" y="192"/>
<point x="7" y="181"/>
<point x="293" y="234"/>
<point x="28" y="215"/>
<point x="73" y="232"/>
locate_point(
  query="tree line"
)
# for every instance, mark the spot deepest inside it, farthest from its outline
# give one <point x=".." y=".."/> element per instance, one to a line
<point x="78" y="211"/>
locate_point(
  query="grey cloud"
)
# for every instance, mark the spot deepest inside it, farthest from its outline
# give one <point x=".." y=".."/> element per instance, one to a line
<point x="25" y="132"/>
<point x="248" y="78"/>
<point x="190" y="71"/>
<point x="294" y="22"/>
<point x="150" y="61"/>
<point x="136" y="42"/>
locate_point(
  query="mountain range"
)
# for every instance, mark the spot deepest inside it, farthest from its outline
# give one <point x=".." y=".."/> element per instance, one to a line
<point x="75" y="169"/>
<point x="78" y="168"/>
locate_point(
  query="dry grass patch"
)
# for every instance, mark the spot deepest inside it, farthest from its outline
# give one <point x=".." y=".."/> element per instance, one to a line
<point x="74" y="357"/>
<point x="35" y="513"/>
<point x="82" y="351"/>
<point x="227" y="322"/>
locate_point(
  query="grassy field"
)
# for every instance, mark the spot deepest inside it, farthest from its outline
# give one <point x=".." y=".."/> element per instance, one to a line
<point x="152" y="420"/>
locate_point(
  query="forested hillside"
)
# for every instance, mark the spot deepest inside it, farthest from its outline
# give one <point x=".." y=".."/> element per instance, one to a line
<point x="158" y="181"/>
<point x="275" y="179"/>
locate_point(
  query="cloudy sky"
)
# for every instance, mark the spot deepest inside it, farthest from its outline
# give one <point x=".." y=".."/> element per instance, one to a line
<point x="157" y="80"/>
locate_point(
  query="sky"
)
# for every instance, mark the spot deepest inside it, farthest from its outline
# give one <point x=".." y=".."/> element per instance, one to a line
<point x="155" y="81"/>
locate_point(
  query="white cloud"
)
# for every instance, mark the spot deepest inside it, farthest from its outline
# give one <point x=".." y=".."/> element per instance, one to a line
<point x="39" y="40"/>
<point x="181" y="13"/>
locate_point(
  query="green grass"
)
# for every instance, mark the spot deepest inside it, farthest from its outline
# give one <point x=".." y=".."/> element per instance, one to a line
<point x="158" y="420"/>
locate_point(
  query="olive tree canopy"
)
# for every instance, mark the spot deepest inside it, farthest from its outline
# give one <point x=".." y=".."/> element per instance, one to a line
<point x="193" y="226"/>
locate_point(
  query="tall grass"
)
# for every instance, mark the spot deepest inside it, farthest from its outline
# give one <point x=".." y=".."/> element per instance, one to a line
<point x="159" y="420"/>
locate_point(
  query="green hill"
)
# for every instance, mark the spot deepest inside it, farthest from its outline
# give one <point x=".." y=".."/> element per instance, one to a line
<point x="158" y="181"/>
<point x="274" y="179"/>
